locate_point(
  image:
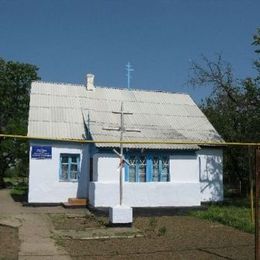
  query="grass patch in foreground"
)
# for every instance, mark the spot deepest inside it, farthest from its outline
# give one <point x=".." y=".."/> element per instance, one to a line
<point x="237" y="217"/>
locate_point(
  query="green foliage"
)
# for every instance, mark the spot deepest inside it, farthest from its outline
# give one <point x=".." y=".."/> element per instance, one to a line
<point x="237" y="217"/>
<point x="18" y="185"/>
<point x="20" y="189"/>
<point x="152" y="223"/>
<point x="256" y="43"/>
<point x="234" y="110"/>
<point x="15" y="82"/>
<point x="162" y="231"/>
<point x="12" y="182"/>
<point x="154" y="229"/>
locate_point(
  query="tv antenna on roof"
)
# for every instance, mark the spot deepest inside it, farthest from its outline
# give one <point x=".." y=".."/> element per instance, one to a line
<point x="129" y="69"/>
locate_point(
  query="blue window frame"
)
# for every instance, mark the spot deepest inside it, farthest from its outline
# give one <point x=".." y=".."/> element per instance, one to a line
<point x="147" y="168"/>
<point x="137" y="168"/>
<point x="69" y="167"/>
<point x="164" y="168"/>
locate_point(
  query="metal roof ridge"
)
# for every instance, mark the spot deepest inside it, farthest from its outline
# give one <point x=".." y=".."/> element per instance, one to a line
<point x="57" y="83"/>
<point x="109" y="87"/>
<point x="143" y="90"/>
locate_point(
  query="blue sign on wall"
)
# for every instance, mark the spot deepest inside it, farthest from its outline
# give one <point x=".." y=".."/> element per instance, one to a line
<point x="41" y="152"/>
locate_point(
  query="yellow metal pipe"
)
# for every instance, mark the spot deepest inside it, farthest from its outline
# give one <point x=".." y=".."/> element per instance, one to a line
<point x="133" y="142"/>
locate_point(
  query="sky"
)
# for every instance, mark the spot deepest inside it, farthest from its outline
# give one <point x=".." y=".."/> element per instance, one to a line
<point x="67" y="39"/>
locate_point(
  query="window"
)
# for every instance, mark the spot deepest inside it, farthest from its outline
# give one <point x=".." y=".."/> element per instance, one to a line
<point x="147" y="168"/>
<point x="69" y="167"/>
<point x="132" y="168"/>
<point x="137" y="168"/>
<point x="142" y="169"/>
<point x="164" y="173"/>
<point x="156" y="173"/>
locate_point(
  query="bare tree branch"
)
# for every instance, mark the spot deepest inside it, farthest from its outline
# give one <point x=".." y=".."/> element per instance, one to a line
<point x="218" y="74"/>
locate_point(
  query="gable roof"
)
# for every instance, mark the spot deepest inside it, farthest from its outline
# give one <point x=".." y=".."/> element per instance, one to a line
<point x="66" y="111"/>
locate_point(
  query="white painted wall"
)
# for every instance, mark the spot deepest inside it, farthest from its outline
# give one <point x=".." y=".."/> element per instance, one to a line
<point x="193" y="178"/>
<point x="211" y="174"/>
<point x="145" y="194"/>
<point x="44" y="184"/>
<point x="182" y="190"/>
<point x="184" y="168"/>
<point x="105" y="168"/>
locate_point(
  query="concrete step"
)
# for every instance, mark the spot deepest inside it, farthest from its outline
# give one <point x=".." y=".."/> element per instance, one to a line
<point x="67" y="205"/>
<point x="75" y="203"/>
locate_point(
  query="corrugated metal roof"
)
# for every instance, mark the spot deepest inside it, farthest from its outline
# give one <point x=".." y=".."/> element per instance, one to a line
<point x="61" y="110"/>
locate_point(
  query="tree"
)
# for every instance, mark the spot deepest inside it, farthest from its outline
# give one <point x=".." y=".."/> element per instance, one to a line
<point x="233" y="108"/>
<point x="15" y="81"/>
<point x="256" y="42"/>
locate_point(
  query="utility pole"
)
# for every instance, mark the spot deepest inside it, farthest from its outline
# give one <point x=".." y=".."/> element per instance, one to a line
<point x="122" y="130"/>
<point x="257" y="191"/>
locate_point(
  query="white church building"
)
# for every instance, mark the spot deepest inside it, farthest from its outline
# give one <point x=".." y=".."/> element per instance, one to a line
<point x="63" y="165"/>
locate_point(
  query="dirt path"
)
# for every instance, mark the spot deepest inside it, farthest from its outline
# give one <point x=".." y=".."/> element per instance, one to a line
<point x="9" y="243"/>
<point x="184" y="237"/>
<point x="35" y="236"/>
<point x="34" y="229"/>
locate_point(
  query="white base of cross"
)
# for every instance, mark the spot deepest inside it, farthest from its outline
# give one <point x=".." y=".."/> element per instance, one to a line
<point x="120" y="214"/>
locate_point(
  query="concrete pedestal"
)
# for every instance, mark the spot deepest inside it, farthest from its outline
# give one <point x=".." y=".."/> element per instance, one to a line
<point x="121" y="214"/>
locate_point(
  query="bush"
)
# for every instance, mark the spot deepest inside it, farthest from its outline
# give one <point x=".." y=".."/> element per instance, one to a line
<point x="19" y="188"/>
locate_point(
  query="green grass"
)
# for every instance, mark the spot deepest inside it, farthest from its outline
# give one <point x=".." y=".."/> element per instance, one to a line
<point x="234" y="216"/>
